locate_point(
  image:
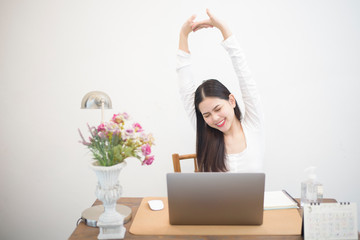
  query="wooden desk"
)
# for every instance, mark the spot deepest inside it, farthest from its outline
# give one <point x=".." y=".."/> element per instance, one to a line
<point x="84" y="232"/>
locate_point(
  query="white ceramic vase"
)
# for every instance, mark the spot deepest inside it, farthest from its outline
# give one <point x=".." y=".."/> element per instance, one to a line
<point x="108" y="190"/>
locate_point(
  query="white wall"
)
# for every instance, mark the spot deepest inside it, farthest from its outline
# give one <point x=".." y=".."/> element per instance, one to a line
<point x="304" y="56"/>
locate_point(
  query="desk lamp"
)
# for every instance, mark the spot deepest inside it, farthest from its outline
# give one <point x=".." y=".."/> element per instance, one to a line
<point x="96" y="100"/>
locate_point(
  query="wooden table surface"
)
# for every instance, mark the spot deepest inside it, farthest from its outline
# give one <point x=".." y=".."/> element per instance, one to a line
<point x="82" y="231"/>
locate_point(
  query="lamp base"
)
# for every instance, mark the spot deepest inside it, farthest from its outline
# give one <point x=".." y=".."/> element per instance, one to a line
<point x="91" y="215"/>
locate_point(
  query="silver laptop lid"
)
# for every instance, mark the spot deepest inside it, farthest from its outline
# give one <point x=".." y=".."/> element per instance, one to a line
<point x="216" y="198"/>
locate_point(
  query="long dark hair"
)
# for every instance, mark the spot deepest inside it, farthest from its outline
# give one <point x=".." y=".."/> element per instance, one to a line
<point x="210" y="145"/>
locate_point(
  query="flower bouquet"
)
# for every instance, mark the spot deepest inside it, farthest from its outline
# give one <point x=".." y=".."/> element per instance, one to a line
<point x="112" y="142"/>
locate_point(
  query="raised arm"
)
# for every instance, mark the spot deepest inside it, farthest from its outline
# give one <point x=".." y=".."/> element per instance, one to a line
<point x="184" y="71"/>
<point x="186" y="29"/>
<point x="253" y="110"/>
<point x="253" y="116"/>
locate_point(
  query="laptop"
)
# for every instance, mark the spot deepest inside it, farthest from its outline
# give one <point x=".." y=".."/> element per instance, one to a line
<point x="216" y="198"/>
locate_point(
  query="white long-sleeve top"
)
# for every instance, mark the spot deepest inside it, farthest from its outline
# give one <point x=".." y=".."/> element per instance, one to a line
<point x="251" y="159"/>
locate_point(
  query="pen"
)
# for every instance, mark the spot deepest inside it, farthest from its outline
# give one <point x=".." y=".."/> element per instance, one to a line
<point x="284" y="191"/>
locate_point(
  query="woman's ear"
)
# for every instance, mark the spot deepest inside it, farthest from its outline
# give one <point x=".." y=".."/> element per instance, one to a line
<point x="232" y="100"/>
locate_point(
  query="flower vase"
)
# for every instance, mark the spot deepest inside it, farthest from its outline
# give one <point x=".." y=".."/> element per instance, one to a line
<point x="108" y="190"/>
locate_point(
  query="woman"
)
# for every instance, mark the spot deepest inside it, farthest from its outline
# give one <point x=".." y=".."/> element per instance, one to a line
<point x="225" y="141"/>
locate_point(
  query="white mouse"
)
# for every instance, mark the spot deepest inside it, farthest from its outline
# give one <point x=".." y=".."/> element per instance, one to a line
<point x="156" y="205"/>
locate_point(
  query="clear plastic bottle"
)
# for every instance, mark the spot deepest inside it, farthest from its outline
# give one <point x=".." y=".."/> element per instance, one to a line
<point x="311" y="189"/>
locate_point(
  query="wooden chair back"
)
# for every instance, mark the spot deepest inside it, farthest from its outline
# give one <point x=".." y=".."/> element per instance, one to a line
<point x="176" y="161"/>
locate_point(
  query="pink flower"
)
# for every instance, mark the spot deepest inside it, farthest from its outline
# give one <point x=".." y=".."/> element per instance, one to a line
<point x="148" y="160"/>
<point x="101" y="127"/>
<point x="146" y="149"/>
<point x="118" y="118"/>
<point x="137" y="127"/>
<point x="117" y="132"/>
<point x="129" y="131"/>
<point x="125" y="115"/>
<point x="147" y="138"/>
<point x="112" y="127"/>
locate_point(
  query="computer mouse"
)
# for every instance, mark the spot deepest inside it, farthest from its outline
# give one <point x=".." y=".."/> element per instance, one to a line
<point x="156" y="205"/>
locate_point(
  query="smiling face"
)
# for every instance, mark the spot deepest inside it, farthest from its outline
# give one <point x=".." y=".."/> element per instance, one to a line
<point x="218" y="113"/>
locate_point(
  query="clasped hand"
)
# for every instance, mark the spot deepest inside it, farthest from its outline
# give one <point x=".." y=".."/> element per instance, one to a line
<point x="192" y="26"/>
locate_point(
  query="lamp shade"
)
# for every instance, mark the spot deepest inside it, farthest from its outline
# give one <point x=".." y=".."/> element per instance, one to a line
<point x="95" y="100"/>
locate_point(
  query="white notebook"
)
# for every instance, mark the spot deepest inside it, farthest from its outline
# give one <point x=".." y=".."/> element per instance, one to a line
<point x="278" y="200"/>
<point x="330" y="221"/>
